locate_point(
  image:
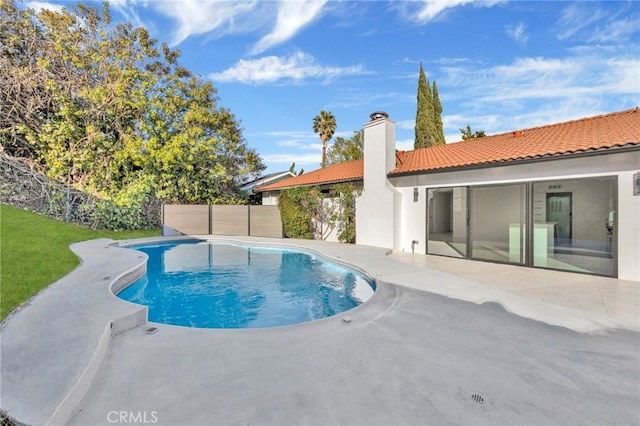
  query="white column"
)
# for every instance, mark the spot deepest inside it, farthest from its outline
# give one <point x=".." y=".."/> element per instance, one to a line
<point x="377" y="209"/>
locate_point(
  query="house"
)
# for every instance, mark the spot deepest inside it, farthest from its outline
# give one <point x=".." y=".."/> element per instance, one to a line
<point x="264" y="180"/>
<point x="563" y="196"/>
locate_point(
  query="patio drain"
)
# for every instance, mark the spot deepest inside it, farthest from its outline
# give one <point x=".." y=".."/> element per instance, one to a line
<point x="477" y="398"/>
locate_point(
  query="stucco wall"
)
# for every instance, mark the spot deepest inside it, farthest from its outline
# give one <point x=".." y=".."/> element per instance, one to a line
<point x="413" y="216"/>
<point x="413" y="223"/>
<point x="628" y="228"/>
<point x="378" y="208"/>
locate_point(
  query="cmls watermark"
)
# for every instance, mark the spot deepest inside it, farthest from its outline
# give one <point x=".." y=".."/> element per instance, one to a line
<point x="132" y="417"/>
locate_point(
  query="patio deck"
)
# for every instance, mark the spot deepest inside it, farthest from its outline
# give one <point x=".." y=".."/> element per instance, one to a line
<point x="421" y="351"/>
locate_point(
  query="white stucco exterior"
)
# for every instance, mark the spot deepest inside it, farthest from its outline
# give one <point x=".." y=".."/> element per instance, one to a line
<point x="389" y="215"/>
<point x="395" y="212"/>
<point x="378" y="208"/>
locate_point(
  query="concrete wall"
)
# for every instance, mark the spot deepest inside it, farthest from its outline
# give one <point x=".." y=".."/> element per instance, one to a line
<point x="257" y="221"/>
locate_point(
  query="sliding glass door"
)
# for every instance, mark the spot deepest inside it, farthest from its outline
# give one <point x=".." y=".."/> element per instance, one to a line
<point x="574" y="223"/>
<point x="567" y="224"/>
<point x="498" y="223"/>
<point x="447" y="224"/>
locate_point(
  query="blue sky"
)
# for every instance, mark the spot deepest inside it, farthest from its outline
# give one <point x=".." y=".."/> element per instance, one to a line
<point x="499" y="65"/>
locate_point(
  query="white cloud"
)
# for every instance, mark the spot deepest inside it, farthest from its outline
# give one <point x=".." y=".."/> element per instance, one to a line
<point x="423" y="11"/>
<point x="298" y="144"/>
<point x="432" y="8"/>
<point x="310" y="159"/>
<point x="129" y="12"/>
<point x="616" y="31"/>
<point x="517" y="32"/>
<point x="293" y="134"/>
<point x="533" y="91"/>
<point x="406" y="124"/>
<point x="292" y="17"/>
<point x="545" y="78"/>
<point x="270" y="69"/>
<point x="203" y="16"/>
<point x="575" y="18"/>
<point x="405" y="144"/>
<point x="40" y="5"/>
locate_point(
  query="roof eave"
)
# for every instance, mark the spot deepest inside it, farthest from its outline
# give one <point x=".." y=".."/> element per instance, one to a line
<point x="550" y="157"/>
<point x="333" y="182"/>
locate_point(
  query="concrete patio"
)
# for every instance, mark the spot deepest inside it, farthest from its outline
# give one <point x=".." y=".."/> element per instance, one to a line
<point x="600" y="295"/>
<point x="429" y="347"/>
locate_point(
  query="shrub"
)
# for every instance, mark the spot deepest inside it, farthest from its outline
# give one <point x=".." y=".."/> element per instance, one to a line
<point x="298" y="209"/>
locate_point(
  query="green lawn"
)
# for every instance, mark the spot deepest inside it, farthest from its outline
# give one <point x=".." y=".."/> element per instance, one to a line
<point x="34" y="252"/>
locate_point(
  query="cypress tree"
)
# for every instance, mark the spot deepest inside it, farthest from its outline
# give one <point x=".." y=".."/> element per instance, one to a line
<point x="437" y="116"/>
<point x="424" y="113"/>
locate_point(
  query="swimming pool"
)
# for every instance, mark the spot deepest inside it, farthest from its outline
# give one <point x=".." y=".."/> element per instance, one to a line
<point x="208" y="284"/>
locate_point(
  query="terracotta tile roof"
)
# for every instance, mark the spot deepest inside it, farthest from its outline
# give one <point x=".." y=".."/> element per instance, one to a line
<point x="588" y="134"/>
<point x="618" y="129"/>
<point x="343" y="172"/>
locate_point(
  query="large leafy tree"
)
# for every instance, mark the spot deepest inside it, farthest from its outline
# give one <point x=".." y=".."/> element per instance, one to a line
<point x="344" y="150"/>
<point x="428" y="130"/>
<point x="104" y="108"/>
<point x="324" y="124"/>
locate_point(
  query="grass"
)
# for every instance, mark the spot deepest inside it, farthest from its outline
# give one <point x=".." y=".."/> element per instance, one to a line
<point x="34" y="252"/>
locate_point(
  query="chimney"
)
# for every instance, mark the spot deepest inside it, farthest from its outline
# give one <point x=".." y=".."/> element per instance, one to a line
<point x="376" y="208"/>
<point x="379" y="148"/>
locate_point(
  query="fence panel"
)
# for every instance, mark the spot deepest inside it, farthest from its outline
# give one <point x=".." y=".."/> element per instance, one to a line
<point x="256" y="221"/>
<point x="265" y="222"/>
<point x="230" y="220"/>
<point x="187" y="219"/>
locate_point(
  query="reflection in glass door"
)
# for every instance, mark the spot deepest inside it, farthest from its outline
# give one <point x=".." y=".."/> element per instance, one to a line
<point x="574" y="224"/>
<point x="447" y="221"/>
<point x="559" y="212"/>
<point x="498" y="223"/>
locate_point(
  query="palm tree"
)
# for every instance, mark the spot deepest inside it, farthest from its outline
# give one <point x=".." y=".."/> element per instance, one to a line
<point x="324" y="124"/>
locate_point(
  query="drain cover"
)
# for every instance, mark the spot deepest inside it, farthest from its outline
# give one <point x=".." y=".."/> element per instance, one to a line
<point x="476" y="397"/>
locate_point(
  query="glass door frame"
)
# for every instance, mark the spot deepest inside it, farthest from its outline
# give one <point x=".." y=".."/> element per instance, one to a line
<point x="527" y="219"/>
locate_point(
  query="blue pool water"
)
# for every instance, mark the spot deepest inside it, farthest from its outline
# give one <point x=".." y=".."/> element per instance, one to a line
<point x="215" y="285"/>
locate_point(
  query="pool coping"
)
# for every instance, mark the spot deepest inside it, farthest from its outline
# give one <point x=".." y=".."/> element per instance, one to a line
<point x="107" y="316"/>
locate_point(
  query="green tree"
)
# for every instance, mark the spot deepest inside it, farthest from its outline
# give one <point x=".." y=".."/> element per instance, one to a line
<point x="437" y="116"/>
<point x="103" y="108"/>
<point x="424" y="114"/>
<point x="292" y="169"/>
<point x="344" y="150"/>
<point x="428" y="130"/>
<point x="469" y="134"/>
<point x="324" y="125"/>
